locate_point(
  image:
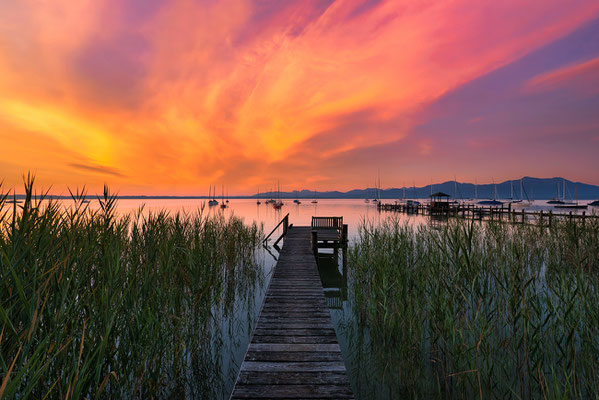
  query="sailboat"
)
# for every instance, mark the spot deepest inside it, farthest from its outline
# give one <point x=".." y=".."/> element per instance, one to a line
<point x="314" y="201"/>
<point x="494" y="201"/>
<point x="271" y="200"/>
<point x="258" y="197"/>
<point x="377" y="189"/>
<point x="557" y="200"/>
<point x="455" y="191"/>
<point x="520" y="202"/>
<point x="278" y="203"/>
<point x="222" y="200"/>
<point x="296" y="201"/>
<point x="572" y="204"/>
<point x="212" y="202"/>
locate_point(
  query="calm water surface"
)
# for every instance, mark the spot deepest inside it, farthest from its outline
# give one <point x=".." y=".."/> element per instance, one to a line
<point x="232" y="335"/>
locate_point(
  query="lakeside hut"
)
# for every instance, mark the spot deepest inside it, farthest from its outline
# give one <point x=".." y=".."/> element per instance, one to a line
<point x="439" y="203"/>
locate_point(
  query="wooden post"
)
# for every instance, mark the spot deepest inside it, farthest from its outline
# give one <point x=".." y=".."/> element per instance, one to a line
<point x="541" y="218"/>
<point x="550" y="217"/>
<point x="584" y="216"/>
<point x="285" y="225"/>
<point x="523" y="217"/>
<point x="344" y="235"/>
<point x="315" y="243"/>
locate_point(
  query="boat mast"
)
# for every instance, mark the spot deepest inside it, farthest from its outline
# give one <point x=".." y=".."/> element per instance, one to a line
<point x="521" y="198"/>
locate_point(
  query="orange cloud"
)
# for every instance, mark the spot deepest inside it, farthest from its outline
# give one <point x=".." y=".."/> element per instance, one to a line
<point x="178" y="94"/>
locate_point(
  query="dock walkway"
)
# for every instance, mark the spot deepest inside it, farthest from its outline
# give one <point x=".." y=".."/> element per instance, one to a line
<point x="294" y="351"/>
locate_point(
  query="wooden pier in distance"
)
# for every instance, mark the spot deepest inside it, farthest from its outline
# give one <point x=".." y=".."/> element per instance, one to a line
<point x="294" y="351"/>
<point x="504" y="212"/>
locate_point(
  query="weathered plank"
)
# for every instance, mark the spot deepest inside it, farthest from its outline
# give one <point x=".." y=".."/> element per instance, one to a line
<point x="292" y="391"/>
<point x="337" y="366"/>
<point x="294" y="351"/>
<point x="293" y="378"/>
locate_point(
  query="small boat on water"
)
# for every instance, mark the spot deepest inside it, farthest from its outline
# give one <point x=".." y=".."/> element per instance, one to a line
<point x="560" y="200"/>
<point x="556" y="201"/>
<point x="277" y="204"/>
<point x="212" y="202"/>
<point x="491" y="202"/>
<point x="572" y="206"/>
<point x="520" y="202"/>
<point x="222" y="200"/>
<point x="366" y="201"/>
<point x="594" y="203"/>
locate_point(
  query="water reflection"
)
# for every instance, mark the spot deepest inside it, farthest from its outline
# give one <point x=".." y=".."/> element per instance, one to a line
<point x="334" y="277"/>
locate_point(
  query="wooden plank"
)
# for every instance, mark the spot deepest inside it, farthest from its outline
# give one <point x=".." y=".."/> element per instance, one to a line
<point x="294" y="347"/>
<point x="292" y="366"/>
<point x="293" y="356"/>
<point x="293" y="378"/>
<point x="272" y="339"/>
<point x="292" y="391"/>
<point x="294" y="351"/>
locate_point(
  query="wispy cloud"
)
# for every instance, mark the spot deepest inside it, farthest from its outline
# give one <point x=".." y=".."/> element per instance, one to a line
<point x="177" y="94"/>
<point x="97" y="168"/>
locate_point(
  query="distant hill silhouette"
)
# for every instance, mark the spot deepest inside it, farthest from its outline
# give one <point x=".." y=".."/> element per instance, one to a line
<point x="533" y="188"/>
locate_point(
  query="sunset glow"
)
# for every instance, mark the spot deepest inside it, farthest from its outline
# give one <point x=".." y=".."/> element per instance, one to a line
<point x="170" y="96"/>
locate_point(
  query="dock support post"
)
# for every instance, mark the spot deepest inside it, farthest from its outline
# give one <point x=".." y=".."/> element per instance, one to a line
<point x="315" y="243"/>
<point x="550" y="215"/>
<point x="285" y="225"/>
<point x="344" y="234"/>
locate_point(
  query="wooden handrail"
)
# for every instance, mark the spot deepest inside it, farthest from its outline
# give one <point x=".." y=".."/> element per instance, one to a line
<point x="286" y="220"/>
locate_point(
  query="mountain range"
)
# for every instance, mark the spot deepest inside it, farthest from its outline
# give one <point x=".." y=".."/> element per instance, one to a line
<point x="532" y="188"/>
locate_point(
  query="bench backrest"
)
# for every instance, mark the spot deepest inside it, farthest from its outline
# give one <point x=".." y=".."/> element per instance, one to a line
<point x="327" y="222"/>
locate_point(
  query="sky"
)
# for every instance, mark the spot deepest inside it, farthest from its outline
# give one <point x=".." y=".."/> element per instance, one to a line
<point x="171" y="96"/>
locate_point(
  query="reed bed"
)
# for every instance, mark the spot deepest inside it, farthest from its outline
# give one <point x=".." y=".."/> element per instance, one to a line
<point x="478" y="310"/>
<point x="100" y="305"/>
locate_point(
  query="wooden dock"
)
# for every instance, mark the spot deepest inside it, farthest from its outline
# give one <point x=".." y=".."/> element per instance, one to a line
<point x="504" y="212"/>
<point x="294" y="351"/>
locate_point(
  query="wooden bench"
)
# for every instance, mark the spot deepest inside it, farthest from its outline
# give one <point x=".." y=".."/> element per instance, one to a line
<point x="328" y="229"/>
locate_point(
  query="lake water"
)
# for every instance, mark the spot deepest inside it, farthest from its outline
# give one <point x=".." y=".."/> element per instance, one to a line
<point x="232" y="335"/>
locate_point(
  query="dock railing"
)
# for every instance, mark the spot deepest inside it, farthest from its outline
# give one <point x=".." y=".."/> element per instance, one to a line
<point x="285" y="223"/>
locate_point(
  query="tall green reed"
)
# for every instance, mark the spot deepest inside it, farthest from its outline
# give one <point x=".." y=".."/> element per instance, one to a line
<point x="487" y="310"/>
<point x="99" y="305"/>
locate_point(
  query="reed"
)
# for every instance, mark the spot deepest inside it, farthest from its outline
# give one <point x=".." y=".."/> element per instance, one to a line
<point x="100" y="305"/>
<point x="479" y="310"/>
